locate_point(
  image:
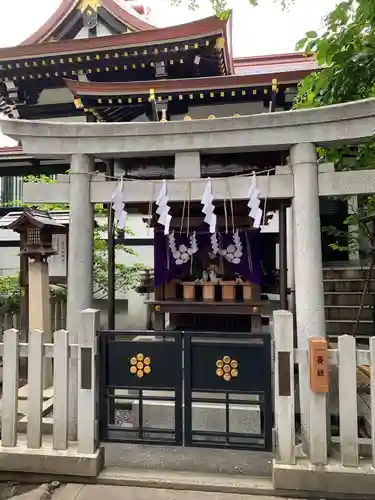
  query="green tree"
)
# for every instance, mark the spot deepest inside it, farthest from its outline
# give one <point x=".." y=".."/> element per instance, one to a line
<point x="345" y="53"/>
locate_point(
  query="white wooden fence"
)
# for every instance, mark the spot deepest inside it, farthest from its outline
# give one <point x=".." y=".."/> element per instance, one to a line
<point x="344" y="360"/>
<point x="58" y="317"/>
<point x="60" y="353"/>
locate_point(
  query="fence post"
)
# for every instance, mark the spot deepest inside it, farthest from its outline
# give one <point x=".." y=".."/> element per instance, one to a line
<point x="10" y="388"/>
<point x="60" y="390"/>
<point x="318" y="436"/>
<point x="284" y="387"/>
<point x="35" y="389"/>
<point x="348" y="409"/>
<point x="87" y="383"/>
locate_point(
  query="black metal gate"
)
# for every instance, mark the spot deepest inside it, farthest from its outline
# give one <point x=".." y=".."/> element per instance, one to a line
<point x="186" y="388"/>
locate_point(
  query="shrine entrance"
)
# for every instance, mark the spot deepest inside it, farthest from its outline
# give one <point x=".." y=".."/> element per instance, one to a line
<point x="201" y="389"/>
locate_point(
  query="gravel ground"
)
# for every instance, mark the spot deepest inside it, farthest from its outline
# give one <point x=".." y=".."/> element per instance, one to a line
<point x="123" y="418"/>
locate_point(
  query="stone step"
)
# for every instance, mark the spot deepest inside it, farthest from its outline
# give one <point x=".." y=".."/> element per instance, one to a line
<point x="347" y="285"/>
<point x="347" y="272"/>
<point x="348" y="313"/>
<point x="345" y="327"/>
<point x="348" y="298"/>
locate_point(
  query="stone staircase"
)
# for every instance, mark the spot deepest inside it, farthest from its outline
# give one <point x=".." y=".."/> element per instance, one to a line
<point x="343" y="287"/>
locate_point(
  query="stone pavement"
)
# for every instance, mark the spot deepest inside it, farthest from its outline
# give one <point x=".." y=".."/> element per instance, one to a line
<point x="100" y="492"/>
<point x="177" y="458"/>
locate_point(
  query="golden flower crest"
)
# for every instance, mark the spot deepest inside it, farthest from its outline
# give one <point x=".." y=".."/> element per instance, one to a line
<point x="227" y="368"/>
<point x="140" y="365"/>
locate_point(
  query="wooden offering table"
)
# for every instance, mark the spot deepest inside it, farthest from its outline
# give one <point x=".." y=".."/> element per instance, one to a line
<point x="180" y="308"/>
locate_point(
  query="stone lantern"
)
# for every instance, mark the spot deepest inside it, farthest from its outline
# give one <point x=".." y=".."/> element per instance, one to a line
<point x="36" y="228"/>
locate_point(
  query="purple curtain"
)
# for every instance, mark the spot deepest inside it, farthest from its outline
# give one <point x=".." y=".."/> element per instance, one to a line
<point x="165" y="267"/>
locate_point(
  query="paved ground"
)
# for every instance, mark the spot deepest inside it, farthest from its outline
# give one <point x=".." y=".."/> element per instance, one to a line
<point x="204" y="460"/>
<point x="100" y="492"/>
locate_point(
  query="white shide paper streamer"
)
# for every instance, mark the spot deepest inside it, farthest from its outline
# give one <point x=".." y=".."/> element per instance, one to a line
<point x="163" y="208"/>
<point x="254" y="203"/>
<point x="118" y="205"/>
<point x="208" y="207"/>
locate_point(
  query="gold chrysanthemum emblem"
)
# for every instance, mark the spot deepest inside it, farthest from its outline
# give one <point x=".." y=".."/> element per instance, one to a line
<point x="140" y="365"/>
<point x="227" y="368"/>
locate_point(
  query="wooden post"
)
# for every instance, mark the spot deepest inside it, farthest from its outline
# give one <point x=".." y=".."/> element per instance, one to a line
<point x="60" y="390"/>
<point x="10" y="388"/>
<point x="348" y="409"/>
<point x="111" y="254"/>
<point x="283" y="258"/>
<point x="87" y="383"/>
<point x="35" y="389"/>
<point x="284" y="388"/>
<point x="372" y="381"/>
<point x="318" y="445"/>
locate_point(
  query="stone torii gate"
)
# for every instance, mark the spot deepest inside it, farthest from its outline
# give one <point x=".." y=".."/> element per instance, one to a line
<point x="299" y="132"/>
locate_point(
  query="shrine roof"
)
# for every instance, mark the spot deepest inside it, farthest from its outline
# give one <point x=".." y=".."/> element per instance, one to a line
<point x="211" y="26"/>
<point x="275" y="63"/>
<point x="181" y="85"/>
<point x="121" y="13"/>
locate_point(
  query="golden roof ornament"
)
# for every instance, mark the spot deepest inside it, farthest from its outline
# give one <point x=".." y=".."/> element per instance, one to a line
<point x="89" y="4"/>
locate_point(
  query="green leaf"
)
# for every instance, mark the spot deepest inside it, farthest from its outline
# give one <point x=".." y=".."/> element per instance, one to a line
<point x="301" y="43"/>
<point x="311" y="34"/>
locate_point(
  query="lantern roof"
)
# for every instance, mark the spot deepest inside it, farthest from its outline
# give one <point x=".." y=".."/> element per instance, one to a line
<point x="33" y="217"/>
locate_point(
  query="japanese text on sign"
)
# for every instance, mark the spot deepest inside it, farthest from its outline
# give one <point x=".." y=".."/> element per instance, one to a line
<point x="318" y="358"/>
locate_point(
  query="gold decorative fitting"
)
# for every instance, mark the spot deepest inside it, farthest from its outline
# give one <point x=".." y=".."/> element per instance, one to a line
<point x="158" y="308"/>
<point x="187" y="118"/>
<point x="140" y="365"/>
<point x="236" y="115"/>
<point x="211" y="117"/>
<point x="163" y="120"/>
<point x="227" y="368"/>
<point x="89" y="4"/>
<point x="274" y="84"/>
<point x="220" y="43"/>
<point x="78" y="103"/>
<point x="255" y="309"/>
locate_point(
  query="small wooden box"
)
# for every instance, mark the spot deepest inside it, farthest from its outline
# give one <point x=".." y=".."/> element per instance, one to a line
<point x="228" y="290"/>
<point x="247" y="291"/>
<point x="189" y="290"/>
<point x="208" y="292"/>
